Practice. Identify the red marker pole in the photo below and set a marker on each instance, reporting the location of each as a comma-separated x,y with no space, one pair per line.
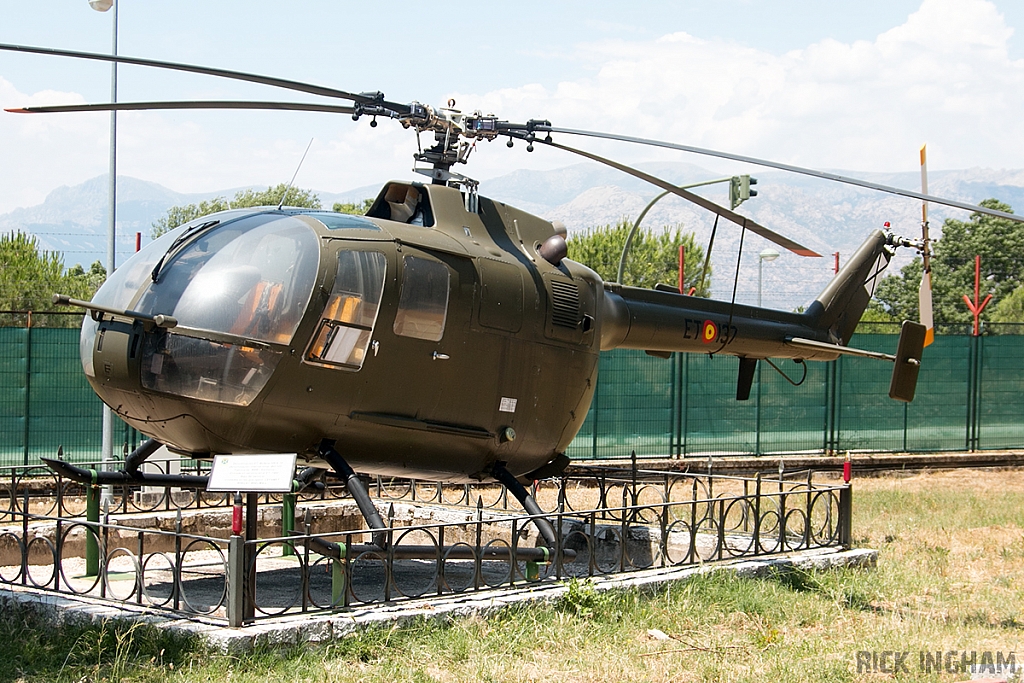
236,516
682,266
974,307
138,241
846,505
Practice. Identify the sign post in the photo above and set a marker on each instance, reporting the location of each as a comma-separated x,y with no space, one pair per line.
252,474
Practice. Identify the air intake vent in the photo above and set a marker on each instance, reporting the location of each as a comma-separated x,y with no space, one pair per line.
565,308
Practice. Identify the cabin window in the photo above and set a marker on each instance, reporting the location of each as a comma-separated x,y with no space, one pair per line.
347,322
403,203
423,306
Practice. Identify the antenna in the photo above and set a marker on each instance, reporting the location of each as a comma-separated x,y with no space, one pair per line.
294,175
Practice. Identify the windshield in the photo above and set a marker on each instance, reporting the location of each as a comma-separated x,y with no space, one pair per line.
251,277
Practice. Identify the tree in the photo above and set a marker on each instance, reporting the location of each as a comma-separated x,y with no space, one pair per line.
1011,308
653,258
356,208
30,276
876,321
999,242
307,199
179,215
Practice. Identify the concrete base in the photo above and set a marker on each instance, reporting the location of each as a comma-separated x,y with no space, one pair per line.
325,626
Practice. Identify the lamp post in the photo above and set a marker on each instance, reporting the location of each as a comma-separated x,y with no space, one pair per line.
636,226
108,415
768,254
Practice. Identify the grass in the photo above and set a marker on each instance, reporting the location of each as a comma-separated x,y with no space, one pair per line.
950,577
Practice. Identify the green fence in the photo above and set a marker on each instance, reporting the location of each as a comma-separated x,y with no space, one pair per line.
970,397
45,400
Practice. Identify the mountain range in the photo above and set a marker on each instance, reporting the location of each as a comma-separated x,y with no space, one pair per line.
824,216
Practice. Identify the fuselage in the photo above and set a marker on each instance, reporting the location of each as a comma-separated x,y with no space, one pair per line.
424,339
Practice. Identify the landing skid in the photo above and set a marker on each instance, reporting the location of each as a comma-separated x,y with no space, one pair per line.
379,545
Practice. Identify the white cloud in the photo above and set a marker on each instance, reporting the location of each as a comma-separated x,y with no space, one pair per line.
943,77
74,143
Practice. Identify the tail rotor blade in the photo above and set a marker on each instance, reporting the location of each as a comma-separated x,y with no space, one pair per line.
924,292
924,306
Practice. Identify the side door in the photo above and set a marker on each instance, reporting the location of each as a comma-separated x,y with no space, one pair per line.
435,370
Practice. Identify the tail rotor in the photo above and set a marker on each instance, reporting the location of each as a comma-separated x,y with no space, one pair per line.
924,292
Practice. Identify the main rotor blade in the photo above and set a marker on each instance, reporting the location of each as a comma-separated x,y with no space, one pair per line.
359,98
226,104
787,167
736,218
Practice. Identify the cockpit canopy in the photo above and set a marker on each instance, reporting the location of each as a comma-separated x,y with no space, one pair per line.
244,273
248,276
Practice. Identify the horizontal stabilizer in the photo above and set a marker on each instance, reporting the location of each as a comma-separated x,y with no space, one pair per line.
908,361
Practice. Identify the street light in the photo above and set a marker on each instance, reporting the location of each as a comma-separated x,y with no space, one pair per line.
636,226
108,415
768,254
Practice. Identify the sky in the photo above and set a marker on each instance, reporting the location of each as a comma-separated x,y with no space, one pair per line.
856,85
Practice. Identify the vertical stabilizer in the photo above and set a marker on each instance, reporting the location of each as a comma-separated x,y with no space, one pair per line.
839,307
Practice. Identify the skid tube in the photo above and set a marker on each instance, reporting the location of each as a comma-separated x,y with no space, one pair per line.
338,551
132,475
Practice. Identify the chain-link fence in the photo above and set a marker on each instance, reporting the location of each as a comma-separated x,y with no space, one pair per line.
970,397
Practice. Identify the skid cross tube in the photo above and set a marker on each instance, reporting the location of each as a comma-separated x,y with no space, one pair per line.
357,490
108,478
547,532
134,459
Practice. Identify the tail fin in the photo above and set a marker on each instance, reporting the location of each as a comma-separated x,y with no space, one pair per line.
838,309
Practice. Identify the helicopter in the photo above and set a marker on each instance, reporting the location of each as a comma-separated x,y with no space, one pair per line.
443,336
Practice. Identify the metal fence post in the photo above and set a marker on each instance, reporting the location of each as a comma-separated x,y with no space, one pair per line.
28,387
757,513
757,413
249,567
24,541
338,588
288,522
673,438
846,505
846,516
92,544
685,388
595,410
236,580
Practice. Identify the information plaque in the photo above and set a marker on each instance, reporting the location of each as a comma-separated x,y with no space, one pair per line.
252,473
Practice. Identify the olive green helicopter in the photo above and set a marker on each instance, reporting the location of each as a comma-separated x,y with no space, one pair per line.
443,335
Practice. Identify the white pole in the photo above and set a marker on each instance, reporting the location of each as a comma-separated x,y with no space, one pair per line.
768,254
760,270
107,443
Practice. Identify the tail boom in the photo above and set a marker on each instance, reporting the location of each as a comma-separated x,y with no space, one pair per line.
660,321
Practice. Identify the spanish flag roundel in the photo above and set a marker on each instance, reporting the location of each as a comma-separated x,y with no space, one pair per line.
709,332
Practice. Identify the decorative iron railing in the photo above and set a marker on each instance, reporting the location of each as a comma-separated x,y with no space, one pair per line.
441,540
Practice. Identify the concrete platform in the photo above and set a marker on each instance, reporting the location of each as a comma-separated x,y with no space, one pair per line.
318,627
